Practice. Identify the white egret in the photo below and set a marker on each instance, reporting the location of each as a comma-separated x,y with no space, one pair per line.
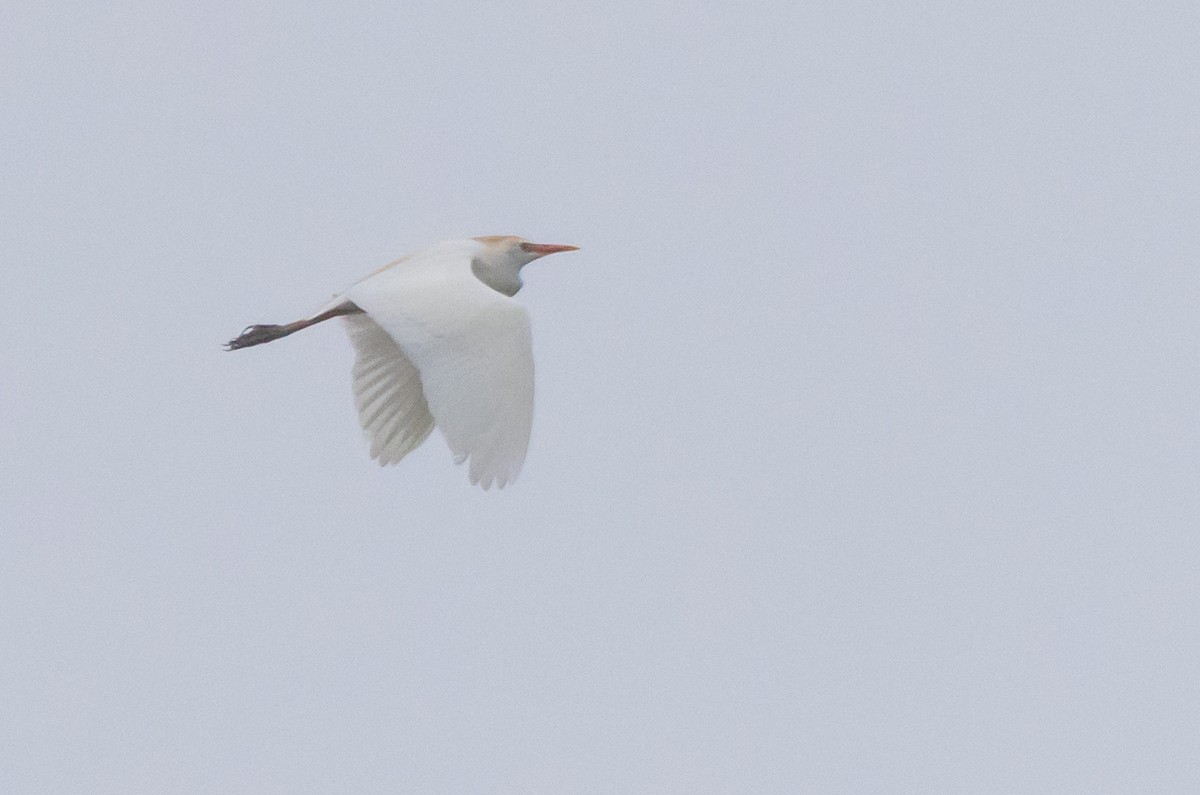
440,341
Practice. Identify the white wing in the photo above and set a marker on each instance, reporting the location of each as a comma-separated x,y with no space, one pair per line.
387,392
479,385
471,347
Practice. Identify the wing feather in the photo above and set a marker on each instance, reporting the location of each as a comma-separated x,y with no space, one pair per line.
480,389
387,392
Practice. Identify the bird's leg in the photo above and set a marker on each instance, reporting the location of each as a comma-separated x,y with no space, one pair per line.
257,335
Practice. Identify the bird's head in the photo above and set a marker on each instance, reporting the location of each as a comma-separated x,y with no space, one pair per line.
499,263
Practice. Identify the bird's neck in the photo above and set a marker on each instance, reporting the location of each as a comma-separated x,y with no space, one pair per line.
503,277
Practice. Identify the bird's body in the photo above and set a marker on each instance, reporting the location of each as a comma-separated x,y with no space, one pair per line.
440,341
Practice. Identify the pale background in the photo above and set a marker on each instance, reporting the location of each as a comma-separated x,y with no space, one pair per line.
865,456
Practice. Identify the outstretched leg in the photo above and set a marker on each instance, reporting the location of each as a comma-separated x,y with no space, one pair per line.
257,335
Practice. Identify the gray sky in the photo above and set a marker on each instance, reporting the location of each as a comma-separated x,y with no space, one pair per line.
865,455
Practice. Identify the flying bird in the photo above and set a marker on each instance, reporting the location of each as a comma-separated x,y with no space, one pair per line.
439,340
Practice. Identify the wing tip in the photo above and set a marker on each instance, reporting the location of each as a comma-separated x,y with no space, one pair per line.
499,476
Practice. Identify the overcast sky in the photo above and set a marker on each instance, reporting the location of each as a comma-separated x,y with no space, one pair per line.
865,455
